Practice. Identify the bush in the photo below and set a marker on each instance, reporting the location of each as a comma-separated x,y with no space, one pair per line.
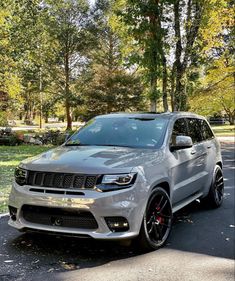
3,119
11,140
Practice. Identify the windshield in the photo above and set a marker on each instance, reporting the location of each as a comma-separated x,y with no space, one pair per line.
121,131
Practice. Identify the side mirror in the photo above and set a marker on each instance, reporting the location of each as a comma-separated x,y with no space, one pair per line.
182,142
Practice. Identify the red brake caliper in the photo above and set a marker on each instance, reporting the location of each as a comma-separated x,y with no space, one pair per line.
158,218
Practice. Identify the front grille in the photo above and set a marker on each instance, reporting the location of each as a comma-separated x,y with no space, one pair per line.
61,180
59,217
90,182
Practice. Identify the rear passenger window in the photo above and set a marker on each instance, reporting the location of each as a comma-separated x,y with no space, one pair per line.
194,128
179,129
206,131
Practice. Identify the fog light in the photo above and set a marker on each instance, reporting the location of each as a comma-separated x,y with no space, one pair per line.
117,224
13,212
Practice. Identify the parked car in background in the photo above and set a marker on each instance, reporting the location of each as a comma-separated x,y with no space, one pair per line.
217,120
121,176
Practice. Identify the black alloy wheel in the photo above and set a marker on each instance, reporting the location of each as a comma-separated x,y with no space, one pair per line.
215,196
219,187
157,221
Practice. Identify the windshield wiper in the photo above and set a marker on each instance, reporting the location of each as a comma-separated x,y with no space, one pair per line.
77,144
143,118
83,144
118,145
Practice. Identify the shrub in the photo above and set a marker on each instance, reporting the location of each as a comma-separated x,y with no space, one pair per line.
3,119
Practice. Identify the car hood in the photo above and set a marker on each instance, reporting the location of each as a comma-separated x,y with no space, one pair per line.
92,159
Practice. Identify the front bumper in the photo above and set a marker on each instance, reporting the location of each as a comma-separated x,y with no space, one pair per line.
129,203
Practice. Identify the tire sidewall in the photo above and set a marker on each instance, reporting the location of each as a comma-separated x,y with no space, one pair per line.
144,224
212,189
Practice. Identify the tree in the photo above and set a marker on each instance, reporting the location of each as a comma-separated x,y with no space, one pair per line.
68,27
111,92
187,22
107,85
216,92
144,23
10,83
30,50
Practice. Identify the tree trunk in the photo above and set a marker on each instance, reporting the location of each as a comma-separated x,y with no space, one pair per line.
153,98
193,20
46,116
68,115
231,119
173,88
164,85
67,94
153,106
178,52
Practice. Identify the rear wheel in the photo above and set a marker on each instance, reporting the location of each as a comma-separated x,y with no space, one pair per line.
157,221
215,196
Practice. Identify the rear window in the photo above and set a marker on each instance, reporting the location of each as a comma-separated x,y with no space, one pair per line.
206,130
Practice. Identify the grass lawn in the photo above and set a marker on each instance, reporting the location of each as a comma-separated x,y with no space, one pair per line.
224,130
10,156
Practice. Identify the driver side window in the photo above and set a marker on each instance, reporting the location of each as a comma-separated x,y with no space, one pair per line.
179,129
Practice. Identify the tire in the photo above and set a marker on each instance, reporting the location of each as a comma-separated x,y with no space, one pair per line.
157,221
214,198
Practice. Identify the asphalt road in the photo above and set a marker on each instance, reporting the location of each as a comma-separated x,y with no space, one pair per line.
201,247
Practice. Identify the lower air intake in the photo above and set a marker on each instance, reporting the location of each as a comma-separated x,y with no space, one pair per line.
59,217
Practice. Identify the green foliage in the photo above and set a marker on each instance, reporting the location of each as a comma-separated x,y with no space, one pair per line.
66,58
3,119
68,26
107,86
216,93
143,24
217,84
10,156
9,77
114,92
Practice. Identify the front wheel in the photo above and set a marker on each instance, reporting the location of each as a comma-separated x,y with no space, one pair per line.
157,221
215,196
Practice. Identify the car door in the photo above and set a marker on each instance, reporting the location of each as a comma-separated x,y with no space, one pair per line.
181,164
210,146
187,163
199,154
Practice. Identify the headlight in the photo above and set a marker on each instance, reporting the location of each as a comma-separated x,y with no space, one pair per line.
20,176
115,182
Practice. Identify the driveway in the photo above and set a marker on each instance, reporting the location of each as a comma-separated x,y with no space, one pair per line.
201,247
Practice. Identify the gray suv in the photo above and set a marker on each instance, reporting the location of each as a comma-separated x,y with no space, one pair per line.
120,176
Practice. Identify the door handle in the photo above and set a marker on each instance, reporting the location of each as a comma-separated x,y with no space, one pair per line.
193,152
209,146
